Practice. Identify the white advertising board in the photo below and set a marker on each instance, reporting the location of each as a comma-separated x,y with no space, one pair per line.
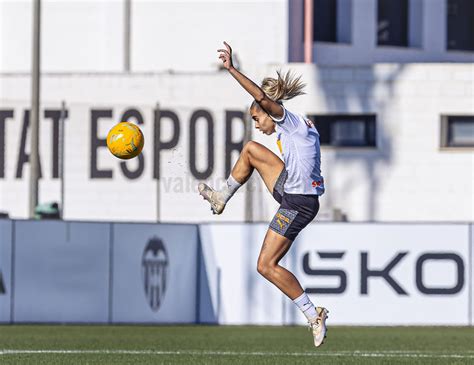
155,273
239,294
365,274
61,272
471,282
387,274
5,269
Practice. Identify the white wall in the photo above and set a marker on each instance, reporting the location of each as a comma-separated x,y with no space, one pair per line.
88,36
197,29
100,199
407,178
76,36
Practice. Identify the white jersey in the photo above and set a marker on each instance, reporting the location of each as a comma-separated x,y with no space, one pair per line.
298,141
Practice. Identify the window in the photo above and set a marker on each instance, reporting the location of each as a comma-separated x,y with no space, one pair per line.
345,130
332,21
460,29
325,20
457,131
392,23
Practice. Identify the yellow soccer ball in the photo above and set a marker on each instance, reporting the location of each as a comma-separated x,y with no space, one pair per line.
125,140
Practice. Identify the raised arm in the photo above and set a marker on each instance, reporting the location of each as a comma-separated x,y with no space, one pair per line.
267,104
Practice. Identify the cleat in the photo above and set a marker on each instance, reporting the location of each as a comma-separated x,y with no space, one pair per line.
318,326
213,197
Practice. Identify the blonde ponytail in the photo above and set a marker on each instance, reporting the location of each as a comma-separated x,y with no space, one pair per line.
283,87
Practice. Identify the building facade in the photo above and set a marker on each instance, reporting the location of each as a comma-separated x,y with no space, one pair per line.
389,88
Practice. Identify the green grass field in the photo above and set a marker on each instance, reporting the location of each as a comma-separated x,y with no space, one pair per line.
41,344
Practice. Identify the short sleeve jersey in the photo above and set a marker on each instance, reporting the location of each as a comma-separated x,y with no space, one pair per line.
298,142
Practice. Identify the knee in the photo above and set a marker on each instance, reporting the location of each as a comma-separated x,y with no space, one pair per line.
251,148
264,268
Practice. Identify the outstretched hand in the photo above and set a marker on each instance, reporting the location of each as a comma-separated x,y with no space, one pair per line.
225,55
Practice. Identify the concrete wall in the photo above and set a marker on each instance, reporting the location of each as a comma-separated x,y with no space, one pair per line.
408,177
165,34
400,179
89,36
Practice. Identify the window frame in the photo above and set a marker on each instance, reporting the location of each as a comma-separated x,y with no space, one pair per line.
324,127
446,132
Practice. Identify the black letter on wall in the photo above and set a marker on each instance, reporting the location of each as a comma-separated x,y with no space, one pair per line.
55,115
162,145
4,115
230,145
96,143
201,175
23,157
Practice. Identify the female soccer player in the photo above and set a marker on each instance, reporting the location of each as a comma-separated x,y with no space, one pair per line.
295,183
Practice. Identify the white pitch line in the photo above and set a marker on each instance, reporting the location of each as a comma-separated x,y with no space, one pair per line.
379,354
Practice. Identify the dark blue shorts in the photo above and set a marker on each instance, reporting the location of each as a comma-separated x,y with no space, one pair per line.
296,210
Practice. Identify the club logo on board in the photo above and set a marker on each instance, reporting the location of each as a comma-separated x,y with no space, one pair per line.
155,272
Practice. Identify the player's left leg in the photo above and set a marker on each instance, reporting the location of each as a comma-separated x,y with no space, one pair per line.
254,156
274,247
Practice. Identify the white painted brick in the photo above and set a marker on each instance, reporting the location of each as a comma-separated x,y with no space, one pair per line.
325,74
406,88
342,74
413,73
429,88
364,74
380,91
439,73
459,105
453,89
388,72
465,74
332,88
406,166
336,74
469,90
361,89
337,105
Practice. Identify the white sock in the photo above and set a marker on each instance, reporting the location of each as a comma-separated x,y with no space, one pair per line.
306,306
231,187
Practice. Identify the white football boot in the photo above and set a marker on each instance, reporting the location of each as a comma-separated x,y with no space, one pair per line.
213,197
318,326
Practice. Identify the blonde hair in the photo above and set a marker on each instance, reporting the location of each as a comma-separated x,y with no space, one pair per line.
284,87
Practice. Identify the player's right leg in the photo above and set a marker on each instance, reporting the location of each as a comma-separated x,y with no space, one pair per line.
254,156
